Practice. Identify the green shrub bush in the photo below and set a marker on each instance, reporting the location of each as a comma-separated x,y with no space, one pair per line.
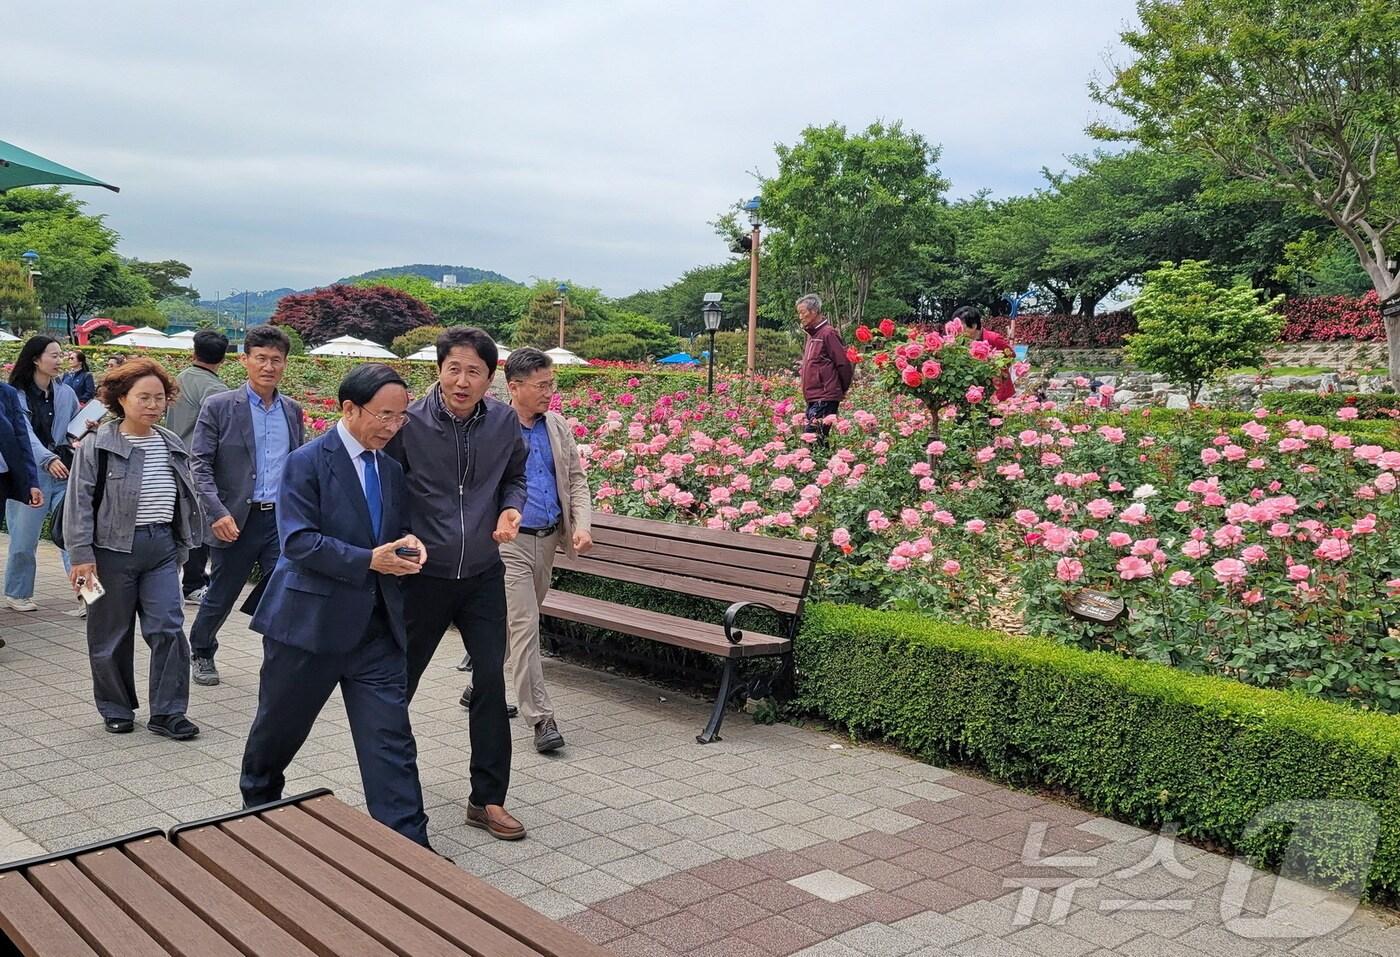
1141,742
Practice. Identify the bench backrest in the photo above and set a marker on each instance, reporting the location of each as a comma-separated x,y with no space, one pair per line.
703,562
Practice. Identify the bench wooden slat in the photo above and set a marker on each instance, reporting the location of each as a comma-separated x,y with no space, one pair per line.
701,569
342,893
104,925
712,536
32,925
174,926
798,567
296,911
489,903
216,903
718,591
668,629
397,886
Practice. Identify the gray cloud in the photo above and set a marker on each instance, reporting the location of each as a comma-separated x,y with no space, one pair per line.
272,144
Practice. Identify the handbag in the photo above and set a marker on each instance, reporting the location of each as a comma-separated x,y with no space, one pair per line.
98,490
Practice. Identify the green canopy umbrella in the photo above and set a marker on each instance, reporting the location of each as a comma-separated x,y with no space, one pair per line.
22,168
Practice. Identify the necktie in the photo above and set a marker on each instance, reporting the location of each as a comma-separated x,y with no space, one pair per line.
372,495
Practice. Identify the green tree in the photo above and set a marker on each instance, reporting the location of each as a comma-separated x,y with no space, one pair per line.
415,339
618,346
493,306
1190,326
847,211
81,271
774,351
1302,96
138,316
179,311
539,326
19,307
164,277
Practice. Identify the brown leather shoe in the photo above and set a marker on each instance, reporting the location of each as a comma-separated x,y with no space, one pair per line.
496,821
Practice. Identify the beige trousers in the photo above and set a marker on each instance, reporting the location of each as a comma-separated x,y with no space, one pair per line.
529,562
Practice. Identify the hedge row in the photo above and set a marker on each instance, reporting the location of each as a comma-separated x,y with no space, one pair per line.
1325,318
1136,740
1370,405
1105,330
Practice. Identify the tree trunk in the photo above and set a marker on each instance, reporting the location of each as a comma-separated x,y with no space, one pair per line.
1087,305
1392,342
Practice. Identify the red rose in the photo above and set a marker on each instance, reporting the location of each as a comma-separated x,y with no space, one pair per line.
881,358
886,328
863,333
911,377
852,354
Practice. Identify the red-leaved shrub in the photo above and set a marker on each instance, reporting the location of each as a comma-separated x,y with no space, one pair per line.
1323,318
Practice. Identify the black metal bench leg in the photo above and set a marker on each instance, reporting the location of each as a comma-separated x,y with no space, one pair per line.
726,686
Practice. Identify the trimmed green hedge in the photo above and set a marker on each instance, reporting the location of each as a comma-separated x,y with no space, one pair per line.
1135,740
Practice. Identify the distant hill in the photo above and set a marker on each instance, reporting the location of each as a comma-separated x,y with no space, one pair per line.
261,305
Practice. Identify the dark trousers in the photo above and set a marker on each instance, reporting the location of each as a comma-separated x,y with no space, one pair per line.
477,606
292,689
196,573
233,563
145,581
816,411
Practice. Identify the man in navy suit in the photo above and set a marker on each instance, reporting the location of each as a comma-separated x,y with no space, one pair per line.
239,447
333,610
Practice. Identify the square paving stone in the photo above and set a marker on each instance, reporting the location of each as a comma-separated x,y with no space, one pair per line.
830,885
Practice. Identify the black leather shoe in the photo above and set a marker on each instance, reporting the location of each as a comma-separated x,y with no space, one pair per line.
118,725
547,736
174,726
466,702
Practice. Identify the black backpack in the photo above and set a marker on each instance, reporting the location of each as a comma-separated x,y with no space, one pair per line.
99,488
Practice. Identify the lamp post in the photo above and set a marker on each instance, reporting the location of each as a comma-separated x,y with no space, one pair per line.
31,265
712,314
563,289
752,208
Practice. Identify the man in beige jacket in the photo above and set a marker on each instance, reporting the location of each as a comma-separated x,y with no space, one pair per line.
558,507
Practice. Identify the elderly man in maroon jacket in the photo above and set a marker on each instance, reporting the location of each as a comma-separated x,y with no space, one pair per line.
826,369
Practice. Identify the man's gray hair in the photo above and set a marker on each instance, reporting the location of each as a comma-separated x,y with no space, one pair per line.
811,301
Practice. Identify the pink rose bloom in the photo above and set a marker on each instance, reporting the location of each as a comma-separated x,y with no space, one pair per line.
975,393
1209,456
1059,539
1116,486
1130,567
841,538
980,350
1341,442
1025,517
1111,434
1299,573
897,563
1332,549
1291,444
783,484
1393,587
1089,534
1252,597
931,369
936,448
1144,546
1256,464
1100,508
1233,453
1081,382
975,526
1364,526
1254,554
876,520
1068,570
1346,413
1368,453
1134,514
1229,571
1056,503
1119,539
1195,549
1227,535
1365,492
1385,482
1280,530
1106,391
1182,506
1182,578
951,567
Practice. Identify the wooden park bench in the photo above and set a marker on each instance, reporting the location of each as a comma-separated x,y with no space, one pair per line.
750,571
301,877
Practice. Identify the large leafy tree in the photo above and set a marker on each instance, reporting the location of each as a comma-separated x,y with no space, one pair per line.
81,271
377,313
846,211
493,306
164,277
1302,96
677,306
19,307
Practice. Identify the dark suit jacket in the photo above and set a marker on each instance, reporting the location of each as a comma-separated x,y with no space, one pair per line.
322,593
222,455
14,445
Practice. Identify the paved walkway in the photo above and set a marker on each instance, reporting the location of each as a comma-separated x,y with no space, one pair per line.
776,841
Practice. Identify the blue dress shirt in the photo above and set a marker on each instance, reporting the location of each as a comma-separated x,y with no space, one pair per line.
542,491
271,443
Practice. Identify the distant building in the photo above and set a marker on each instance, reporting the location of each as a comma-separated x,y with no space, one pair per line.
449,281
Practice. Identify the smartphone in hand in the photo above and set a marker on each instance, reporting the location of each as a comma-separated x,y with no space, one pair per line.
411,554
90,591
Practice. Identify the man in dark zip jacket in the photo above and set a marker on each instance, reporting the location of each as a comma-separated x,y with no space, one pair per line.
464,463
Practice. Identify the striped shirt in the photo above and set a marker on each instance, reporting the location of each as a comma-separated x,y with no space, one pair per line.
157,506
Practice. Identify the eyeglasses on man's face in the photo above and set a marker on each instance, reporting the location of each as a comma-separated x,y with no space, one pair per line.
393,420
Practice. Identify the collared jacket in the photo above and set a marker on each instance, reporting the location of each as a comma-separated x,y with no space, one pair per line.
65,406
14,445
196,384
826,369
114,525
223,455
461,474
575,497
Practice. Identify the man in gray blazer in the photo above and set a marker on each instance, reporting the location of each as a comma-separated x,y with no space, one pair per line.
241,442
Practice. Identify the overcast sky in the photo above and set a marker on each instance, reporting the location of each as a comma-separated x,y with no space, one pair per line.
291,143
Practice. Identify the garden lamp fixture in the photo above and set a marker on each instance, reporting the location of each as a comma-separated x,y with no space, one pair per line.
562,290
751,207
712,316
31,265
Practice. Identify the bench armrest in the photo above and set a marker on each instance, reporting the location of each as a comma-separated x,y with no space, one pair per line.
732,612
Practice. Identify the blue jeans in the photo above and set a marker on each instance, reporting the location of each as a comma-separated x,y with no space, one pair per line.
25,524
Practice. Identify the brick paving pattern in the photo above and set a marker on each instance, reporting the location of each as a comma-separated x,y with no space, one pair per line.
776,841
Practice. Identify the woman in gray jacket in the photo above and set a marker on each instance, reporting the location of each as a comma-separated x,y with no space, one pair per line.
130,519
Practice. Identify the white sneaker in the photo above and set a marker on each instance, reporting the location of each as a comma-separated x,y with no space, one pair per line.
196,596
79,612
20,604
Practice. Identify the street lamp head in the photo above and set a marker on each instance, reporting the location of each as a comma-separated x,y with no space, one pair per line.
563,288
751,207
30,257
713,315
